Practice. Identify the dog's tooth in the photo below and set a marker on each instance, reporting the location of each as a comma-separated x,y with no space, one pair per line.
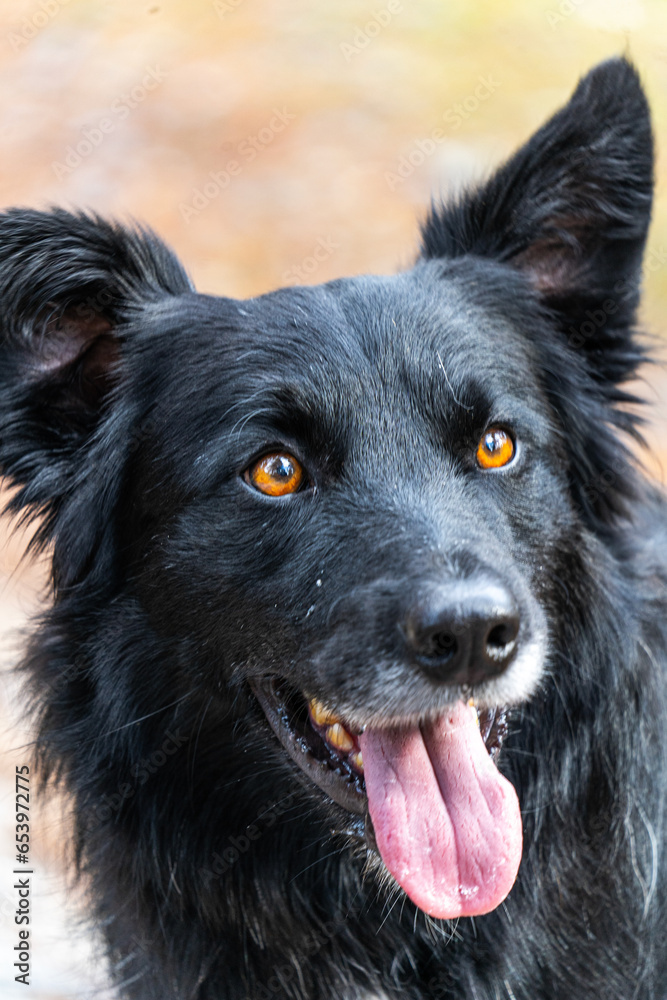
339,737
320,714
471,704
356,760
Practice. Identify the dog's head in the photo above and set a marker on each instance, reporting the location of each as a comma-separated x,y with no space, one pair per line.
356,503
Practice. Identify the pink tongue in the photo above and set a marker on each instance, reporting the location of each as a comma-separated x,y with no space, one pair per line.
447,823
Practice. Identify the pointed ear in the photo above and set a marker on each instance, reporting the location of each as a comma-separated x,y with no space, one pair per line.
570,209
71,285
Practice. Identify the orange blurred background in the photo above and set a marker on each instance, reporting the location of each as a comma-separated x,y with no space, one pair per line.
262,139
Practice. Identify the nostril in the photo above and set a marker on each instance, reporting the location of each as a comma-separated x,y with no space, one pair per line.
499,636
500,640
440,646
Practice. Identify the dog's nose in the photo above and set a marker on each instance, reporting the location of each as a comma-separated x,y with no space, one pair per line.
463,632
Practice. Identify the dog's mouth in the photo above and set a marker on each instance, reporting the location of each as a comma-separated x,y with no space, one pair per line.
327,748
317,740
444,820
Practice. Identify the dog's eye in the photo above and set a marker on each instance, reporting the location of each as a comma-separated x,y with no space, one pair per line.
276,474
495,449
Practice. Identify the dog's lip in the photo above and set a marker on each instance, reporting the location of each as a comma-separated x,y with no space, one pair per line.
337,782
282,703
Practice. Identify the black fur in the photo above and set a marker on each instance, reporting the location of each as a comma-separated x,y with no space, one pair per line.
130,407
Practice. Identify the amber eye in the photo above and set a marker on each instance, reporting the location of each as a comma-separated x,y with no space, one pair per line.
276,474
495,449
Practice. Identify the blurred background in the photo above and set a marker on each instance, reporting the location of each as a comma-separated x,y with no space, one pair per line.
272,142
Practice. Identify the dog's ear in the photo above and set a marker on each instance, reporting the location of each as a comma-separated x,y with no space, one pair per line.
70,285
570,209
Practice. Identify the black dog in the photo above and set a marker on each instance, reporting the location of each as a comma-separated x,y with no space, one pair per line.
360,602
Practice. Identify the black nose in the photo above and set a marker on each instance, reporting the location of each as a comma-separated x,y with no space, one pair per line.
463,632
